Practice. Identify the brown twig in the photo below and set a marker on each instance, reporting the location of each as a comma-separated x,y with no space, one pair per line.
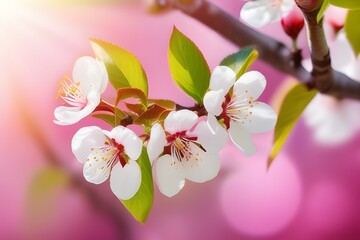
273,52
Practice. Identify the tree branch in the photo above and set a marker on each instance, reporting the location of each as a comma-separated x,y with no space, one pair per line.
273,52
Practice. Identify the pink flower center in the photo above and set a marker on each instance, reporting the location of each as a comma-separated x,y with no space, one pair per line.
120,155
71,93
179,146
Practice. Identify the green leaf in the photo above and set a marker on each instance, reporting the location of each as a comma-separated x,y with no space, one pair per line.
292,107
352,29
168,104
240,62
136,108
350,4
188,66
124,69
151,115
323,8
113,119
126,93
140,205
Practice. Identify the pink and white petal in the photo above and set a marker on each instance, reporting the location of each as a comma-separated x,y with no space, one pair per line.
213,101
71,115
342,54
156,143
170,176
98,164
178,121
250,85
204,165
88,73
105,77
211,141
286,6
241,138
259,13
222,78
130,141
213,123
125,181
262,118
85,140
307,64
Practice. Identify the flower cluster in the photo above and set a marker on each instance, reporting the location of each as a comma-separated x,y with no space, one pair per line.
182,146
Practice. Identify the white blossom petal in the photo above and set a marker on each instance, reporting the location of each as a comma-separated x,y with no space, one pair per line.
125,181
130,141
213,101
84,140
156,142
222,78
241,138
343,58
250,85
98,164
178,121
170,176
212,141
70,115
262,118
89,73
204,165
259,13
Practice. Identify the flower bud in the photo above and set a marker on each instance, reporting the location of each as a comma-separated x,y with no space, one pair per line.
293,23
335,16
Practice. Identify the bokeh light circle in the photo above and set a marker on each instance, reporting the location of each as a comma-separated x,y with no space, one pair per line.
328,206
257,202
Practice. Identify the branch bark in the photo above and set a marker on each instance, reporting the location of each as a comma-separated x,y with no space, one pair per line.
273,52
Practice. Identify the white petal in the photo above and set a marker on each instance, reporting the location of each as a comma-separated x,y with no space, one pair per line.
105,77
178,121
89,73
343,58
222,78
262,118
204,167
97,167
259,13
84,140
71,115
287,6
130,141
213,101
211,141
241,138
250,85
125,181
170,176
156,143
307,64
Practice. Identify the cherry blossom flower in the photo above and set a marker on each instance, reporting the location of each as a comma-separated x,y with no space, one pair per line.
83,92
239,111
113,154
336,121
184,151
258,13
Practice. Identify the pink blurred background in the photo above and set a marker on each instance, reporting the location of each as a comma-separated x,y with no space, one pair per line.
311,191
